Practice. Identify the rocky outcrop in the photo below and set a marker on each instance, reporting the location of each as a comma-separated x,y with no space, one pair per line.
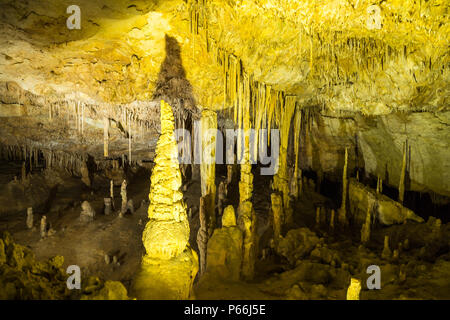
386,210
225,249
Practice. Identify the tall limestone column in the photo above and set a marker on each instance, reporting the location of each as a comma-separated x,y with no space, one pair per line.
246,215
208,164
170,265
281,180
342,217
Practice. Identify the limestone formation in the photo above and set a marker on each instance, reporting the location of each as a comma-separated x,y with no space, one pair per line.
202,237
365,231
87,212
123,194
332,216
230,170
169,266
395,255
85,175
24,172
387,253
208,163
318,217
386,210
105,137
277,216
30,218
342,217
130,206
246,223
406,244
107,203
293,183
354,289
224,256
43,228
222,197
111,191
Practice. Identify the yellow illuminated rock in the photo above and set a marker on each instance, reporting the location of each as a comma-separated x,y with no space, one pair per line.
247,223
354,289
342,217
208,164
224,257
281,179
277,216
169,267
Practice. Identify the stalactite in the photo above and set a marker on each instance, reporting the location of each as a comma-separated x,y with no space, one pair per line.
401,187
297,131
281,179
207,166
342,210
106,137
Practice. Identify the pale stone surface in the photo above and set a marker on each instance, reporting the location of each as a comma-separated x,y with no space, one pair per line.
277,216
246,223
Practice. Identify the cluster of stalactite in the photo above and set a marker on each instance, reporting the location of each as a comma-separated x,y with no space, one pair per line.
33,157
79,114
336,58
254,104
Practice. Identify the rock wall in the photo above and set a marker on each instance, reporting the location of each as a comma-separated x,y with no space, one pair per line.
376,144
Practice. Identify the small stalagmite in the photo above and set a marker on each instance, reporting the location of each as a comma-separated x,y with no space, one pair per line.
30,218
208,164
246,222
105,137
24,172
43,228
317,217
87,212
85,175
342,217
123,194
107,202
401,187
169,266
222,197
111,191
230,171
387,253
354,289
332,216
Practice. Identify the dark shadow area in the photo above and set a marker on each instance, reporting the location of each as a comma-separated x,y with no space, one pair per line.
172,85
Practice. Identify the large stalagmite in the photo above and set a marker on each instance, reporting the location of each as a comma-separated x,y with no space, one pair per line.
170,265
